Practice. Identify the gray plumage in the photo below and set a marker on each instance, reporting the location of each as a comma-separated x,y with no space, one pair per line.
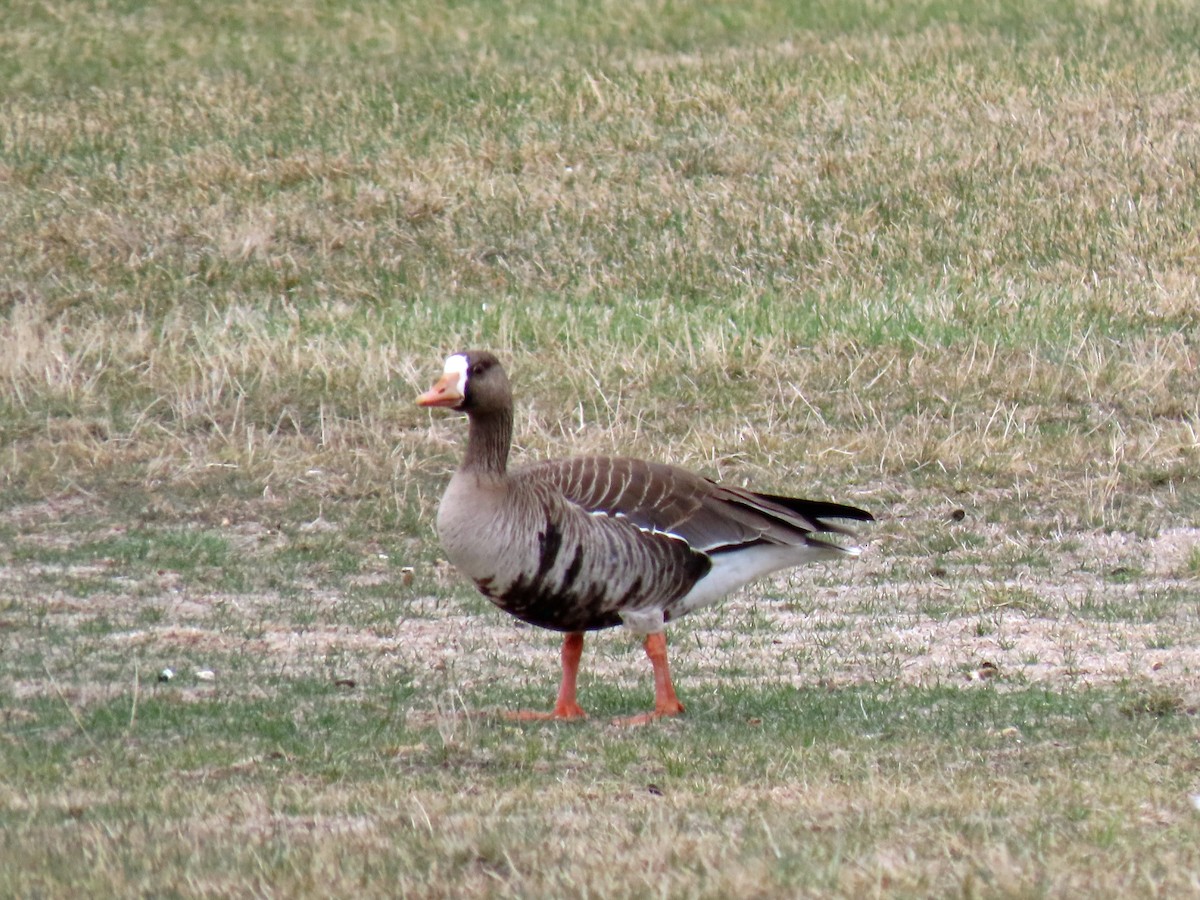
591,542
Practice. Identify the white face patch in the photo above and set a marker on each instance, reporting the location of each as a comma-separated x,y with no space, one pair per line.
457,365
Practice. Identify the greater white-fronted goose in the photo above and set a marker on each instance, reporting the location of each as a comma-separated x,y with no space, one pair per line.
591,542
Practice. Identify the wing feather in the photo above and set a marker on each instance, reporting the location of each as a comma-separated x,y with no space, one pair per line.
710,517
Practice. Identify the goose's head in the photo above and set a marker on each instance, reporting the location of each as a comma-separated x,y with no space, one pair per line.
472,382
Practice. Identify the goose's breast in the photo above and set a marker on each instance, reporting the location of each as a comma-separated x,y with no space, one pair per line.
563,569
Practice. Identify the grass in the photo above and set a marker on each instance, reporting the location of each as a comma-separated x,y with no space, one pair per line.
936,259
773,791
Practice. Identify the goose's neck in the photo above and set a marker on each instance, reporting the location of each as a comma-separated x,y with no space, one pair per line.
489,438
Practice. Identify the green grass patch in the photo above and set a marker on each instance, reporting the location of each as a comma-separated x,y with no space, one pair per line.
770,779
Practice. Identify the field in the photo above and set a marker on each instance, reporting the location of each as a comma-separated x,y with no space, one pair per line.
937,259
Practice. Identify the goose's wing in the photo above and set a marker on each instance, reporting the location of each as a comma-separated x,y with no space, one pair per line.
711,518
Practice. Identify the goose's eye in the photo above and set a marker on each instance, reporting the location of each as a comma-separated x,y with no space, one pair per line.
477,369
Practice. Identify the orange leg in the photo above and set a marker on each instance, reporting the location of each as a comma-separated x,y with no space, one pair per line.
565,707
665,701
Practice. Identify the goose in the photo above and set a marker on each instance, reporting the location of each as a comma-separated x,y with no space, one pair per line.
592,542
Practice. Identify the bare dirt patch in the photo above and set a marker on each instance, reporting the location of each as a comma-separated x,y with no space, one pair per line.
1008,609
